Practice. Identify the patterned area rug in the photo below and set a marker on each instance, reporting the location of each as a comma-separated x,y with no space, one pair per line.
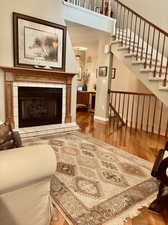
96,183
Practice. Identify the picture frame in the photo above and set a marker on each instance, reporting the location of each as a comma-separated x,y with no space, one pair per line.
113,73
38,43
103,71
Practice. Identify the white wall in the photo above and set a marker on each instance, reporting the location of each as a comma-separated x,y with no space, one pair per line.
89,18
51,10
102,84
155,11
125,80
92,66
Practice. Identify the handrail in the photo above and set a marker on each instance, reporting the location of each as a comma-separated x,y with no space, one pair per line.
143,18
131,93
141,111
102,7
146,41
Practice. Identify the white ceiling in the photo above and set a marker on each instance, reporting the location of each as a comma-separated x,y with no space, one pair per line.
82,35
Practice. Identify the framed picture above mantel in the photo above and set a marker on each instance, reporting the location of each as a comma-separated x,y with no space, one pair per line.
38,43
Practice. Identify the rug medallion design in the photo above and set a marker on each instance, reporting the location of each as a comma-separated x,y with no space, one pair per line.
96,183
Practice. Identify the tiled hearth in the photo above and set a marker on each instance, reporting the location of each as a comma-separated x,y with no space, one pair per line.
22,77
47,129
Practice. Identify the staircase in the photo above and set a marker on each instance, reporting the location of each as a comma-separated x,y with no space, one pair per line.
143,48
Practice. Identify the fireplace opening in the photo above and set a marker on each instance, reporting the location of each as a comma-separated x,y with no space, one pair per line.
39,106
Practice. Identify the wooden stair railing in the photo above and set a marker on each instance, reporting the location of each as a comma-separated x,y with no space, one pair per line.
116,114
147,41
140,111
102,7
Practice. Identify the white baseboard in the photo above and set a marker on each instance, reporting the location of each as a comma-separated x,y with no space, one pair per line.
101,118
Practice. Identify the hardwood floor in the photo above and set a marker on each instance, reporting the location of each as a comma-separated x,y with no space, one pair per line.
138,143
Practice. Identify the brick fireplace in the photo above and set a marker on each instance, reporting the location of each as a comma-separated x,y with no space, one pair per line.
35,95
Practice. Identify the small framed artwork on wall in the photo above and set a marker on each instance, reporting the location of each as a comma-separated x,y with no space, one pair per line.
113,73
38,43
103,71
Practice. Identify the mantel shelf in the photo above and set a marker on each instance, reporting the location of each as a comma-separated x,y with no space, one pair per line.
34,71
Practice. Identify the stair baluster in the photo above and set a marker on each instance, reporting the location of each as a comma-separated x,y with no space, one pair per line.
152,49
143,107
127,27
128,105
160,120
122,37
163,49
143,39
157,53
139,32
166,74
135,28
146,55
130,37
139,111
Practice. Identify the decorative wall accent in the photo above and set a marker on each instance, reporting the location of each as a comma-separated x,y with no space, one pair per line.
103,71
38,43
113,73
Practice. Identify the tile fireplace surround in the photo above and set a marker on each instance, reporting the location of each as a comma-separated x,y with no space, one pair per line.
23,77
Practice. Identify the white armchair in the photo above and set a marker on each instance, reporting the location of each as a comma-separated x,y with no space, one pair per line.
25,175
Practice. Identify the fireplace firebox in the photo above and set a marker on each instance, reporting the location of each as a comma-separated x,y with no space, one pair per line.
39,106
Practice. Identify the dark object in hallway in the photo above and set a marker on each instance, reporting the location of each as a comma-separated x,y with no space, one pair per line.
160,172
8,138
85,87
82,101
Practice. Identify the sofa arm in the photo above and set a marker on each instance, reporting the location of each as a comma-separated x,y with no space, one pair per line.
22,166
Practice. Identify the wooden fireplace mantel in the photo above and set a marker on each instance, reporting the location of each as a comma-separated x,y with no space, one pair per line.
17,74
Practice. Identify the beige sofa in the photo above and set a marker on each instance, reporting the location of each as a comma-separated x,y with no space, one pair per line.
25,175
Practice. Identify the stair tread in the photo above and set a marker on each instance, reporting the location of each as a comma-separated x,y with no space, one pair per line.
163,88
156,78
116,42
153,68
143,61
143,53
135,53
139,53
146,70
